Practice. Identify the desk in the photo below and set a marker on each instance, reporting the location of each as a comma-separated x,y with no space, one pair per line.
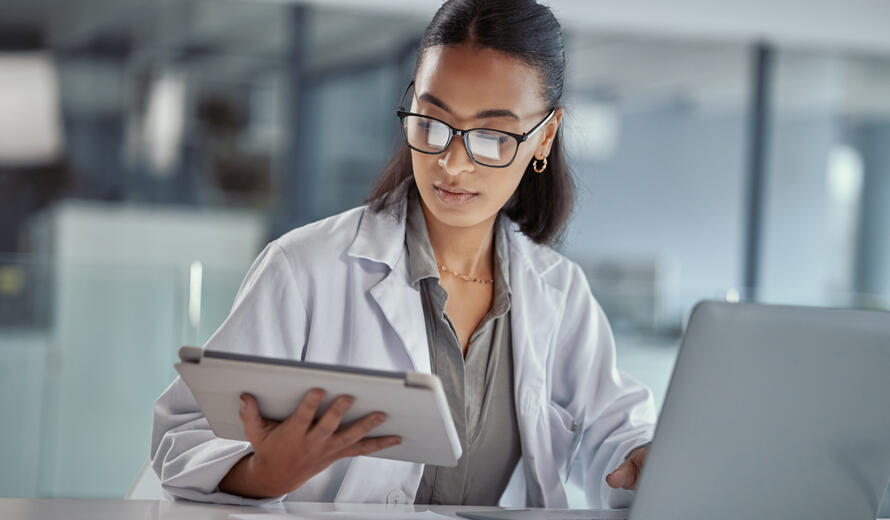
120,509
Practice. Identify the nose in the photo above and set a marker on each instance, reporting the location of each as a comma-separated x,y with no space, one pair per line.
455,159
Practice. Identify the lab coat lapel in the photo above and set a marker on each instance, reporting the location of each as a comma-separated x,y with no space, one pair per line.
402,307
381,238
533,318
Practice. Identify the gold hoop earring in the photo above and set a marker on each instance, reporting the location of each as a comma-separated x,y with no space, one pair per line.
535,165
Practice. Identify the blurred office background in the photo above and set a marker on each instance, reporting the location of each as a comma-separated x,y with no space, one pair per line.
149,149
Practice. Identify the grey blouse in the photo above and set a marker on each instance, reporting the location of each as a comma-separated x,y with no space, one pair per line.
479,388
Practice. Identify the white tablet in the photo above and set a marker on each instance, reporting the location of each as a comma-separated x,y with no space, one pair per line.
414,403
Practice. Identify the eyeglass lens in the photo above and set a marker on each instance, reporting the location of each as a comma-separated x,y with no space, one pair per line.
488,147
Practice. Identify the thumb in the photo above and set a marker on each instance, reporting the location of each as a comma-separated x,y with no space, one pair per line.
622,477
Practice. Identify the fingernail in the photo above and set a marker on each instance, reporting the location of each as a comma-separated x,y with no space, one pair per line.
379,418
243,402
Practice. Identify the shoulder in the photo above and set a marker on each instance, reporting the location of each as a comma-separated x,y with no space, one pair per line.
323,239
307,247
562,279
552,267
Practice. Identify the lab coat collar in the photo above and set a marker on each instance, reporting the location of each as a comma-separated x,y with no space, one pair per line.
380,236
368,242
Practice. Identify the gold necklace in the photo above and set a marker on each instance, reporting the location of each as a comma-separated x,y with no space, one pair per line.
463,276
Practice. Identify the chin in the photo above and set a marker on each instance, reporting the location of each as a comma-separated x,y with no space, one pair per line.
461,216
459,221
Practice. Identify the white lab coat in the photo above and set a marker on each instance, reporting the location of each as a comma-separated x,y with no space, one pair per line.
337,291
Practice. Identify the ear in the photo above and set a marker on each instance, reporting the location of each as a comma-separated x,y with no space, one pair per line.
549,133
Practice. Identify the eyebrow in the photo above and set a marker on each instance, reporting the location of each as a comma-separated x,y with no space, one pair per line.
482,114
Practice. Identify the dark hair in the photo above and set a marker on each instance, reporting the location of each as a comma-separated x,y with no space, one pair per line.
528,31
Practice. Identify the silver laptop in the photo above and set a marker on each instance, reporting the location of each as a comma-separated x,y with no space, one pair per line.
773,412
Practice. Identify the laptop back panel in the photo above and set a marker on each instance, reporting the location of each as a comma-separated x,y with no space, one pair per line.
773,412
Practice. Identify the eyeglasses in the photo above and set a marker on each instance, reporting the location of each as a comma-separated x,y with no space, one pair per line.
485,146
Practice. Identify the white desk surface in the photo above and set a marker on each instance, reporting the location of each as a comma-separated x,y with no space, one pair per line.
120,509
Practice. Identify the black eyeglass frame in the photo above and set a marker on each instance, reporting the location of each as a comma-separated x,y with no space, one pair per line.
520,138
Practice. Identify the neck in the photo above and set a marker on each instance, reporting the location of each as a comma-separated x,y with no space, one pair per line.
466,250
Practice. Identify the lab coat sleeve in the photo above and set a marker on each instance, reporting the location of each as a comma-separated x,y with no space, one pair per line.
268,318
613,412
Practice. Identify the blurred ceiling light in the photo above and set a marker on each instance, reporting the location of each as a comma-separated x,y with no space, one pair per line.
163,124
30,121
594,135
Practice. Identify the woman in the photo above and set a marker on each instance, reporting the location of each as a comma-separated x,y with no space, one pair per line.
447,270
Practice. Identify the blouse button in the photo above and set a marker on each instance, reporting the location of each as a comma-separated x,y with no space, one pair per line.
396,496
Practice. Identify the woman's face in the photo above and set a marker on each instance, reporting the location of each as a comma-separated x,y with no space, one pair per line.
455,84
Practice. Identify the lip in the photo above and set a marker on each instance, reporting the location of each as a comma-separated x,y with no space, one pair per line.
453,189
453,199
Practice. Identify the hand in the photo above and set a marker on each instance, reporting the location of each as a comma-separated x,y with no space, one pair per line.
288,453
628,472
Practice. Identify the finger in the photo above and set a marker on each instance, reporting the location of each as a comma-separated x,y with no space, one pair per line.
330,421
254,428
357,430
368,446
300,420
